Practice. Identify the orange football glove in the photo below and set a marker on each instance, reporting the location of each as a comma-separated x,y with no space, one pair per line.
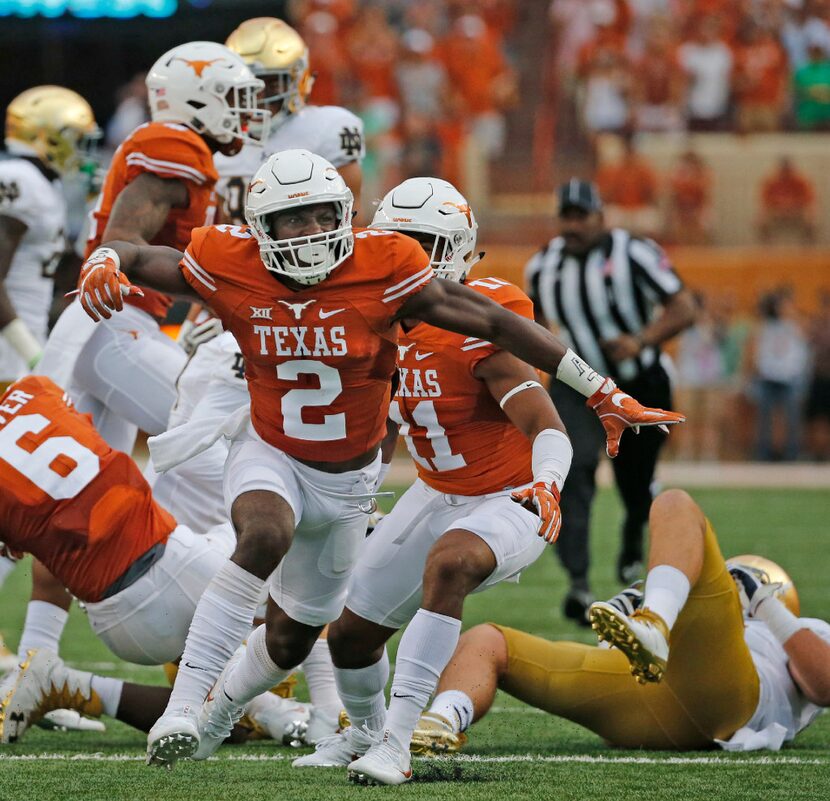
544,500
102,286
618,411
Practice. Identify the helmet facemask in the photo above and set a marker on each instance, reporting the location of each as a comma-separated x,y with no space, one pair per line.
285,90
308,260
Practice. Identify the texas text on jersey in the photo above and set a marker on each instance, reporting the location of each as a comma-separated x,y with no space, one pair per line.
77,505
319,360
167,150
460,439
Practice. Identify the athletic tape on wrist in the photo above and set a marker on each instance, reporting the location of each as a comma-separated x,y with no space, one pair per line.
18,335
780,621
578,374
551,457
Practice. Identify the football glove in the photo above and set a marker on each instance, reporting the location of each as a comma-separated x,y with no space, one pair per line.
544,500
191,334
617,411
69,720
102,286
753,590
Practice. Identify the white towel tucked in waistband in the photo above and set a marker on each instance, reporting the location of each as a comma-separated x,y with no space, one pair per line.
190,439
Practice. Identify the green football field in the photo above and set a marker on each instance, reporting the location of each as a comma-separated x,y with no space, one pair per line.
516,752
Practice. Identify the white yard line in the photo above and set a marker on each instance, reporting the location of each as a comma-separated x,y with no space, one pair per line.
462,758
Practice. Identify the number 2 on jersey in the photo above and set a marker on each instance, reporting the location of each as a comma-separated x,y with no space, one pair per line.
333,426
41,466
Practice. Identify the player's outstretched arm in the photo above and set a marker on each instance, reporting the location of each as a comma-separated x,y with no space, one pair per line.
105,276
457,308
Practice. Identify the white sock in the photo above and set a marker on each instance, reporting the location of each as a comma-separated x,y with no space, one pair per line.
223,617
361,690
255,673
109,690
426,647
43,627
667,589
319,676
456,707
6,567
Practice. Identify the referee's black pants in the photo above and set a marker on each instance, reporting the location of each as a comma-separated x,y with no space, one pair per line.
633,469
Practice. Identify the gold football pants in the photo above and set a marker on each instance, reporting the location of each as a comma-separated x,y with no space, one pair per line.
710,688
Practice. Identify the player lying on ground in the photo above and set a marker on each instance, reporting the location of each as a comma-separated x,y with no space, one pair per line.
723,658
478,425
86,513
315,308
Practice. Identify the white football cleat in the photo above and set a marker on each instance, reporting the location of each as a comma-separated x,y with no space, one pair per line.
642,636
434,734
8,660
337,750
39,684
384,763
283,719
174,736
320,725
219,713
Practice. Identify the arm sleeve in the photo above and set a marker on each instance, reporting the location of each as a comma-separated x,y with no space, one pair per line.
19,195
651,266
171,153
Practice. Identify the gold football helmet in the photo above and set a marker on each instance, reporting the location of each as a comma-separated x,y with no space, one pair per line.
54,123
771,572
276,53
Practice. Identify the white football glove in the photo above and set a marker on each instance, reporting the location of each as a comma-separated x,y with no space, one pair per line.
752,589
191,334
69,720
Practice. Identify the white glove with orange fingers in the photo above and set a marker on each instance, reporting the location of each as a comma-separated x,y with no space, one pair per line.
102,286
617,411
544,500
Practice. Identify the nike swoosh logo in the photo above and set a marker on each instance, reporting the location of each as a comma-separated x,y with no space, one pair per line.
398,695
421,356
195,667
617,400
324,314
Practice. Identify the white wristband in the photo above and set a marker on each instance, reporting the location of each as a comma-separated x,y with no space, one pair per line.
99,254
578,374
780,621
551,457
19,336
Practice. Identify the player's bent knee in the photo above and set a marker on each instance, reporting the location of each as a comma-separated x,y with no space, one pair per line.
673,501
453,568
288,648
489,643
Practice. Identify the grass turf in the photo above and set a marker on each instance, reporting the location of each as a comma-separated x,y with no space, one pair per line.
788,526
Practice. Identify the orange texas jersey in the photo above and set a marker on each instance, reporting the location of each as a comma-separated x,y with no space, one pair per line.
66,497
168,151
319,362
460,439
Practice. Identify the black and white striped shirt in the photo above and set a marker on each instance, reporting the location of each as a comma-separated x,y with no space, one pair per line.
610,291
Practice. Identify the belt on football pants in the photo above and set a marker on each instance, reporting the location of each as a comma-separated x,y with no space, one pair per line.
135,571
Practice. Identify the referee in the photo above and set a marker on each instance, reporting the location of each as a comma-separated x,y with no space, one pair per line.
601,288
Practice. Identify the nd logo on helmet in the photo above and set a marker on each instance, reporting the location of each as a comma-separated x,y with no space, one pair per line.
198,66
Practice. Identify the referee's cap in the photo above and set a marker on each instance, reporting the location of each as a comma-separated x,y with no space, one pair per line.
579,194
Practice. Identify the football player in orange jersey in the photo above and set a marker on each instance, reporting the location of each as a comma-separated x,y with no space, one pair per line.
483,433
316,311
86,513
158,188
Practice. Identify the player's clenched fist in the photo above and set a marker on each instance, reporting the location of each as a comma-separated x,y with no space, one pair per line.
102,286
544,500
618,411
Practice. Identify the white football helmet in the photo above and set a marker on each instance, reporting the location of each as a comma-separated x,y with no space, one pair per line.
292,178
210,89
433,206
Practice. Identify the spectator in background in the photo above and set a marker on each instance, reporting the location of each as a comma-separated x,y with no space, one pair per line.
788,204
629,186
373,54
818,396
811,88
485,82
707,60
660,82
759,80
322,34
689,216
132,110
801,28
779,356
